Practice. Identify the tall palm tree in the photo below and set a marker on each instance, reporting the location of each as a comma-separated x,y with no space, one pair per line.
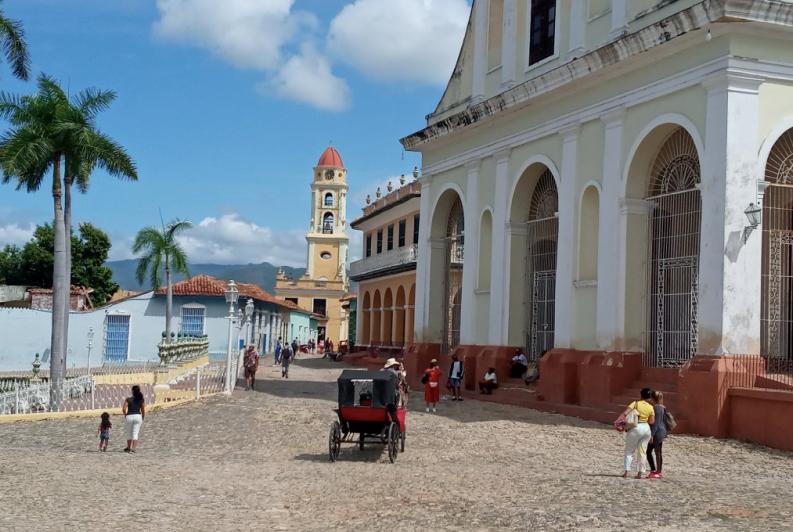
51,132
162,253
14,47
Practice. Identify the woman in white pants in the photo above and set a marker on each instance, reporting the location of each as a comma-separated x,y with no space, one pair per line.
637,438
134,411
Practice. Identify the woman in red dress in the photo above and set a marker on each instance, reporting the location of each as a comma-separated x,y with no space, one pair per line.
432,389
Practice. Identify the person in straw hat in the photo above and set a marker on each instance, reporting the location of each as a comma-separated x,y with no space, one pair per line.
395,367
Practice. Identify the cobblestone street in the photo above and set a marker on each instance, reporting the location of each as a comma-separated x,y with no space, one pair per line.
259,461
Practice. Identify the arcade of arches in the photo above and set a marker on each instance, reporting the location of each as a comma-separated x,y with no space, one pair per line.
387,311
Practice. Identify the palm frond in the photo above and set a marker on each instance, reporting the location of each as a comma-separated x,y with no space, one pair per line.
102,151
156,268
15,50
179,260
176,227
93,101
148,238
142,268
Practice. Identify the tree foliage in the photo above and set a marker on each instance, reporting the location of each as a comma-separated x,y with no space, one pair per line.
31,265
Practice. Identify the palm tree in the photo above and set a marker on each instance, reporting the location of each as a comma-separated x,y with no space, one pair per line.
12,42
162,253
50,132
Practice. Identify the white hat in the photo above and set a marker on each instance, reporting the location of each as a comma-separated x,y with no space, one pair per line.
390,362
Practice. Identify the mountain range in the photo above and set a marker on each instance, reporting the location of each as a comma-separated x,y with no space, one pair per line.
260,274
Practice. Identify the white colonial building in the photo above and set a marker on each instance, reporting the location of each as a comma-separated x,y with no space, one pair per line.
591,178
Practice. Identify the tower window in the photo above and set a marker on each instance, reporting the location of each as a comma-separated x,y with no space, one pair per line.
325,255
328,200
402,230
543,30
390,237
327,223
416,229
320,307
379,241
369,245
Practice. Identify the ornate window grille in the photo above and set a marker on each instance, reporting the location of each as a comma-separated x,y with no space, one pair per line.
540,283
673,236
454,254
192,321
116,337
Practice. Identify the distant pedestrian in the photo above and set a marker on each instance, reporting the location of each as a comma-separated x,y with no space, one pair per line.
489,382
431,381
639,416
251,363
104,431
286,360
295,348
658,432
278,349
456,372
134,410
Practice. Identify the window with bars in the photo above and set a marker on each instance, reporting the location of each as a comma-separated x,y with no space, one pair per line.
543,30
116,337
390,242
192,321
379,241
416,229
369,245
402,229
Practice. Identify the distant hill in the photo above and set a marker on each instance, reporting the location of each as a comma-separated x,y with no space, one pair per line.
260,274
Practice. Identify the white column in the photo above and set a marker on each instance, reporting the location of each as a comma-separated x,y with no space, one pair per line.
729,272
471,257
611,245
566,244
421,320
359,319
481,13
509,44
619,18
500,263
578,16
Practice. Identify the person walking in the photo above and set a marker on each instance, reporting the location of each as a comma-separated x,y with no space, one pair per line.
278,349
658,434
286,360
638,436
104,431
456,372
134,410
295,348
431,381
251,363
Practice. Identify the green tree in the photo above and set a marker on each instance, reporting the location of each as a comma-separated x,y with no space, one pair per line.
89,270
15,49
162,253
50,132
10,265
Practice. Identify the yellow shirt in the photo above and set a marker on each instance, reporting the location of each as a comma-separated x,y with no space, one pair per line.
646,410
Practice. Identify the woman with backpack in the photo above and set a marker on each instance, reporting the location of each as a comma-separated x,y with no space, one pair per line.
639,416
664,422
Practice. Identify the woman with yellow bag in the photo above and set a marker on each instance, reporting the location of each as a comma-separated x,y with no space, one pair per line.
638,417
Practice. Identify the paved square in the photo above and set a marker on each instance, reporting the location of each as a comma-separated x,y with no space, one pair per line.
258,461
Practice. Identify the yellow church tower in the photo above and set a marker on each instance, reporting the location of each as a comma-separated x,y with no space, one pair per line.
325,282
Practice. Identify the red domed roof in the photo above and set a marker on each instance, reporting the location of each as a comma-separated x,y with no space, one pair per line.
331,158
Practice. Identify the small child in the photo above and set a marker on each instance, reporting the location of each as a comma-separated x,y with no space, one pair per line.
104,431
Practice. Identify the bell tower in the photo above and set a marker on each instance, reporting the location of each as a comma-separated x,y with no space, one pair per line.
327,237
321,289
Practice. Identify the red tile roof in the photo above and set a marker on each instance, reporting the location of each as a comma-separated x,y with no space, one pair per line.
331,158
206,285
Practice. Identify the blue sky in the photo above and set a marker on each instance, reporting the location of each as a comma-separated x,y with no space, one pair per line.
226,107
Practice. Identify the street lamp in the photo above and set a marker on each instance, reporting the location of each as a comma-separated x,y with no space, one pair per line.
232,293
90,336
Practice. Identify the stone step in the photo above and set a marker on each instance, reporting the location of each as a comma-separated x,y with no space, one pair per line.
660,375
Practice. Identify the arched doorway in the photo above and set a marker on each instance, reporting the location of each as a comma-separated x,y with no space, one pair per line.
674,214
399,318
388,318
377,309
455,255
776,332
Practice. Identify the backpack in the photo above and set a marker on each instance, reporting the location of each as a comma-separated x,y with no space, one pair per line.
669,420
425,378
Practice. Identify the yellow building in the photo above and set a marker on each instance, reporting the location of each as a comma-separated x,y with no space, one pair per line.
325,281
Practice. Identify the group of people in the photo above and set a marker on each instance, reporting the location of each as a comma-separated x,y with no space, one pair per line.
646,423
134,410
432,378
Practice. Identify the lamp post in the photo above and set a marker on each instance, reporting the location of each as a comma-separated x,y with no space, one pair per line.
232,293
248,320
90,336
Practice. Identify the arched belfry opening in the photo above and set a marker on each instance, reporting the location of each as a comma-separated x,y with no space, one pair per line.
776,334
540,283
674,215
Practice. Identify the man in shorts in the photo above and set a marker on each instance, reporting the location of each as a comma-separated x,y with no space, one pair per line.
456,377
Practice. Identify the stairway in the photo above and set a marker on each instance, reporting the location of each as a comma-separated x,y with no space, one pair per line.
660,379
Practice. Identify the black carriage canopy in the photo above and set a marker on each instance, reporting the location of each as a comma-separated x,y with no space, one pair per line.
367,388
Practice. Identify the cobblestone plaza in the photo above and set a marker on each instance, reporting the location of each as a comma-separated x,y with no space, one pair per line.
258,461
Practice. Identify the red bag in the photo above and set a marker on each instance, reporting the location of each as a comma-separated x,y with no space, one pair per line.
620,423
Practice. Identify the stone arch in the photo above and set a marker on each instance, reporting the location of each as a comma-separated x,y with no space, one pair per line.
377,310
447,241
399,317
532,240
328,221
485,249
388,318
366,322
663,208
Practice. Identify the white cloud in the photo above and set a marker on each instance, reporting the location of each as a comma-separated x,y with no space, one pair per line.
231,239
247,33
307,78
14,234
400,40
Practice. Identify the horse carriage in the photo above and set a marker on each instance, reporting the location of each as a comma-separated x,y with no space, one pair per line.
369,410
